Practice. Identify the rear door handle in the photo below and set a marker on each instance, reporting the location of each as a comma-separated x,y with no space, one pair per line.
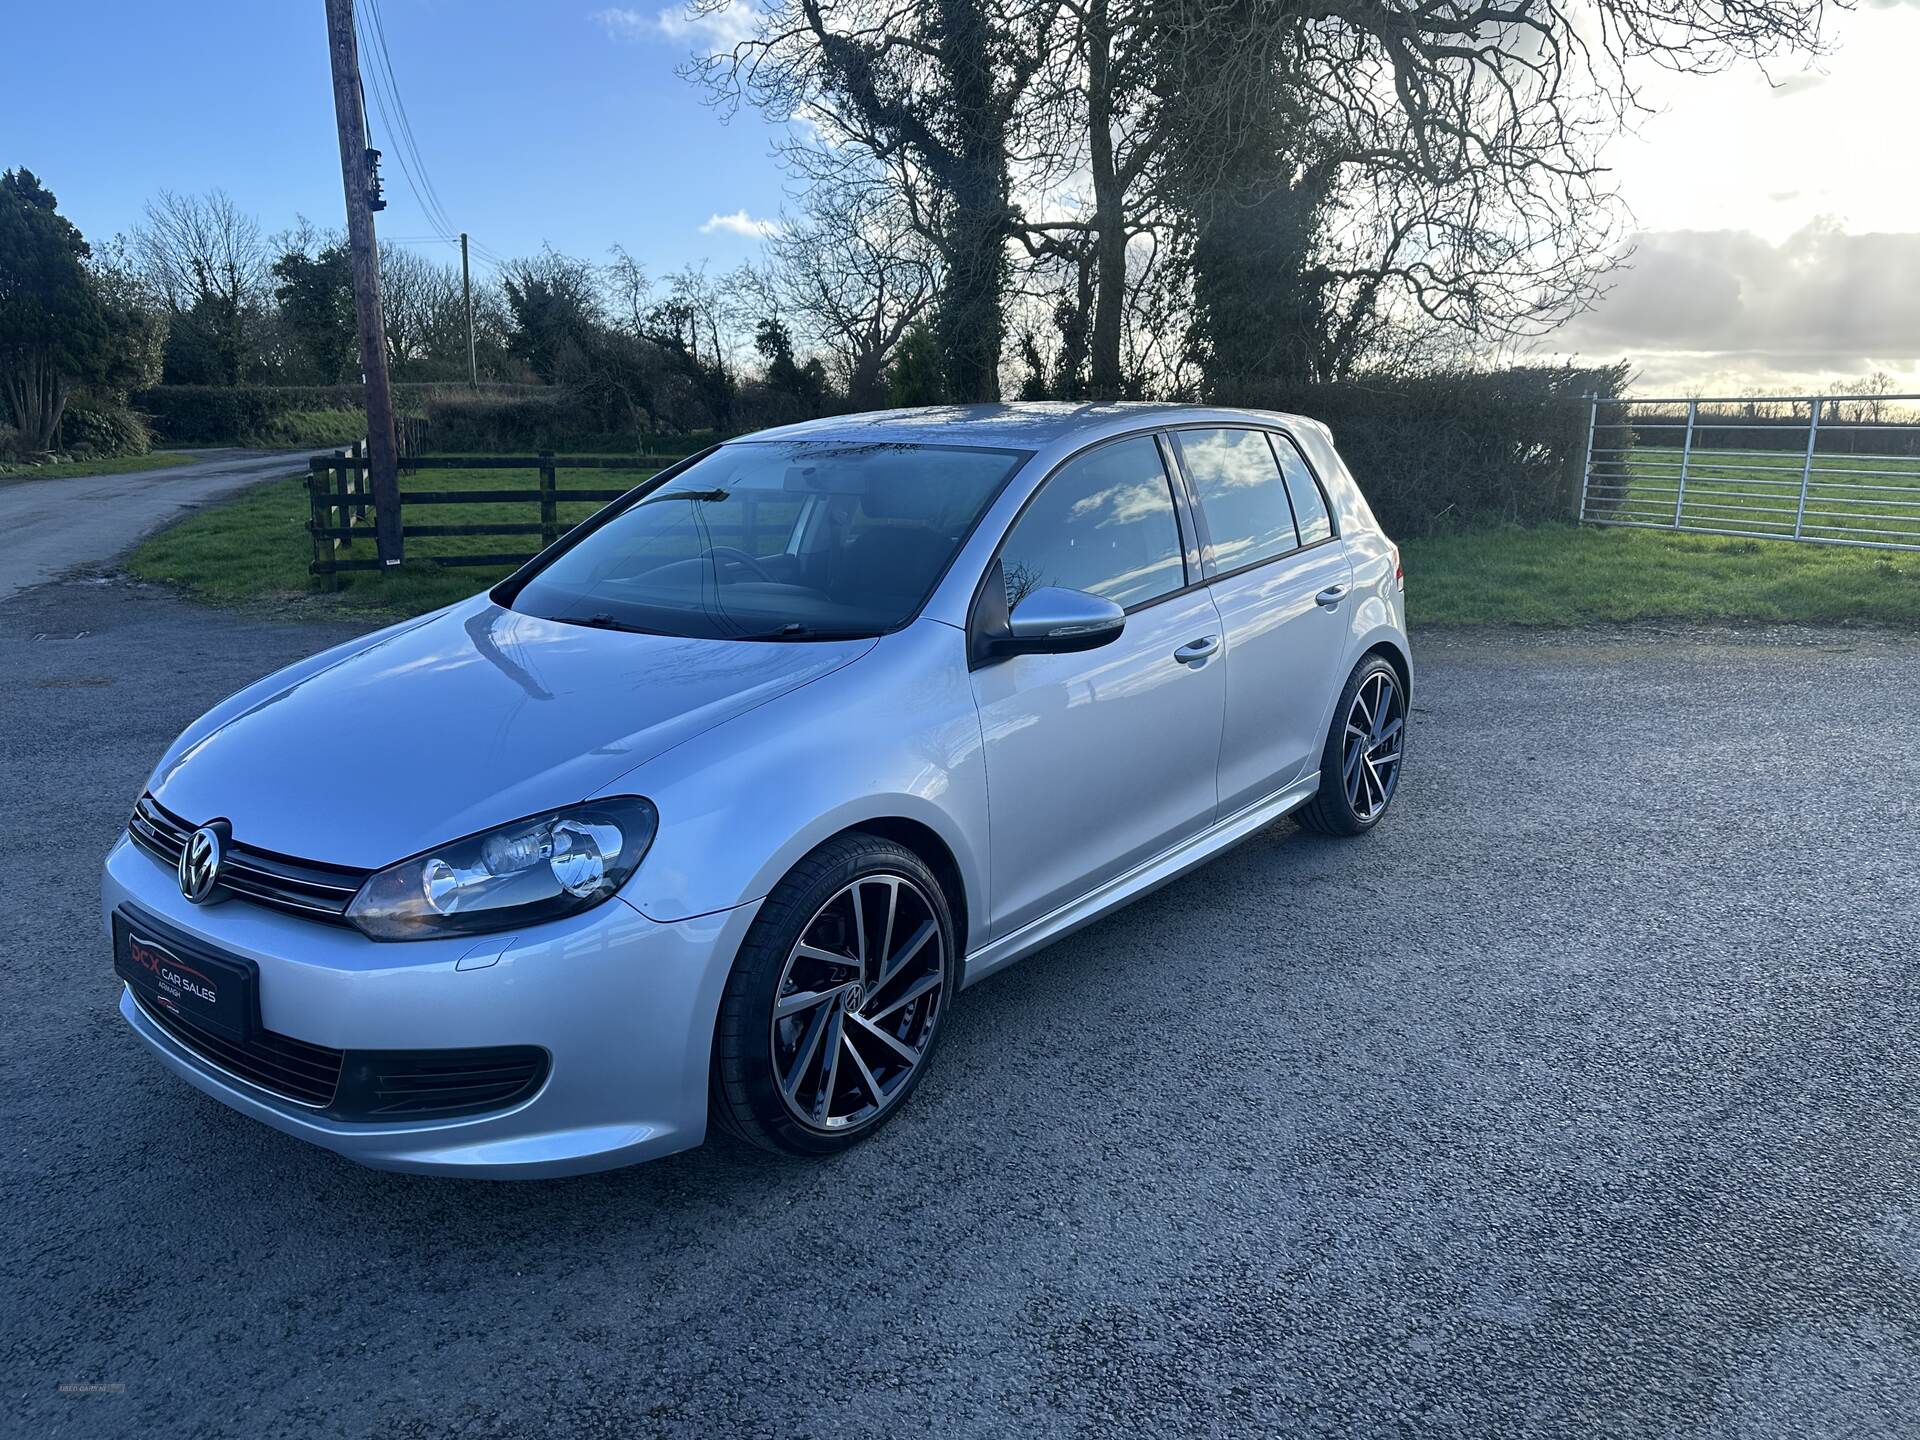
1194,651
1331,596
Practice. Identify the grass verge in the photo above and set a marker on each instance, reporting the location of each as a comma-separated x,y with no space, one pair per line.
256,548
111,465
1574,575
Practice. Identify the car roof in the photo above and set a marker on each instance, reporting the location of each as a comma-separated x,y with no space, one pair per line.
1024,425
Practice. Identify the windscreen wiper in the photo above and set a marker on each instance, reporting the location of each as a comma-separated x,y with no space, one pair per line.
794,630
604,622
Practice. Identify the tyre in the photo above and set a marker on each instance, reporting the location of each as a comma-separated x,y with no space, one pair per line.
1360,766
836,999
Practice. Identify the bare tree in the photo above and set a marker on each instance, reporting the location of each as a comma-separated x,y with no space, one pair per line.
930,92
855,275
209,260
1089,121
697,317
424,311
629,293
1872,407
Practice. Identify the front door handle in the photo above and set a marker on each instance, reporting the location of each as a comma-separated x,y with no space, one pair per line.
1331,596
1195,651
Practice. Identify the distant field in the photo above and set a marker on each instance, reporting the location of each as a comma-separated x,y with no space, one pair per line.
258,548
1860,498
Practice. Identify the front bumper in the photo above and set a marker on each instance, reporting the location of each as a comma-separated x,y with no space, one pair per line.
624,1006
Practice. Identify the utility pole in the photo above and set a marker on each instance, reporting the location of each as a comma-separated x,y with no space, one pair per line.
466,288
356,174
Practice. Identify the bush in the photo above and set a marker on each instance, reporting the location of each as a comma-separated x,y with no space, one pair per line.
96,429
1436,452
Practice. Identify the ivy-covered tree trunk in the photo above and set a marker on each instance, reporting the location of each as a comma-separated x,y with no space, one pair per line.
970,321
1258,312
1109,208
1242,170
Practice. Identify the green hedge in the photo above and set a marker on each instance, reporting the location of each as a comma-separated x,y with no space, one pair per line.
244,414
1435,452
499,419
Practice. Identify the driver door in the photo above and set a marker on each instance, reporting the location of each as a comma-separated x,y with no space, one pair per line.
1099,760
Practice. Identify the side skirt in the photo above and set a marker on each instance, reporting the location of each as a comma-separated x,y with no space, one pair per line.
1143,879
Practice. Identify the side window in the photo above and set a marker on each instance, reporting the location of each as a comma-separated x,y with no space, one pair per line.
1104,523
1241,493
1309,505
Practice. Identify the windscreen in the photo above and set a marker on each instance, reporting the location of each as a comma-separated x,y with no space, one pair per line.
778,540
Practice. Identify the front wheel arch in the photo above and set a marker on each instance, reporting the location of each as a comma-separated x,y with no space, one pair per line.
751,1088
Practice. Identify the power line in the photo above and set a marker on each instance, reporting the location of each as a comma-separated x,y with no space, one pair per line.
406,121
392,108
380,78
387,87
482,256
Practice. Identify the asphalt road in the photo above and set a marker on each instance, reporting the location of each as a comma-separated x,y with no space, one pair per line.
1578,1100
53,526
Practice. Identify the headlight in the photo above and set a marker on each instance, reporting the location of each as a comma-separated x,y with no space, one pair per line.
535,869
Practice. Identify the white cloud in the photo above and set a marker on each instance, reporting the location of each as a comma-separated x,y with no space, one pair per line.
624,24
742,224
709,28
1697,306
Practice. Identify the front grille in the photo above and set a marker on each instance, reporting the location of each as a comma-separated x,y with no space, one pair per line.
292,1069
300,887
367,1085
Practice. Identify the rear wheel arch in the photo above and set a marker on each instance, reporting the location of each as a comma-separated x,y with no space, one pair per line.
1396,657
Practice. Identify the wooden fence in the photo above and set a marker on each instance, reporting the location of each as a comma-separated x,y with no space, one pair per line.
340,505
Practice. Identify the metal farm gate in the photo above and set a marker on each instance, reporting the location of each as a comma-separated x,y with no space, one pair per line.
1826,470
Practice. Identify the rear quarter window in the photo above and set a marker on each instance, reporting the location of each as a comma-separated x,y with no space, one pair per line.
1310,511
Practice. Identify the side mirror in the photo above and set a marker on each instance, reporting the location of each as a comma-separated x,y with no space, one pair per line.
1049,621
1053,621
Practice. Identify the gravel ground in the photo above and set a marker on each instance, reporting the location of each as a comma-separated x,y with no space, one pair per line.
1579,1100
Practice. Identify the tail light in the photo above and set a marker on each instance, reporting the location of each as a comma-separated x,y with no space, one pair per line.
1399,570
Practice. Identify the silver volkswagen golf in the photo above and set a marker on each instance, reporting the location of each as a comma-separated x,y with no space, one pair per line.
707,813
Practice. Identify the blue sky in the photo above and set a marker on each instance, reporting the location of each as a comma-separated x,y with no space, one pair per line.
538,121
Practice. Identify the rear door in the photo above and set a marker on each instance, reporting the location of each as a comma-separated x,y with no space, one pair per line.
1280,578
1100,760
